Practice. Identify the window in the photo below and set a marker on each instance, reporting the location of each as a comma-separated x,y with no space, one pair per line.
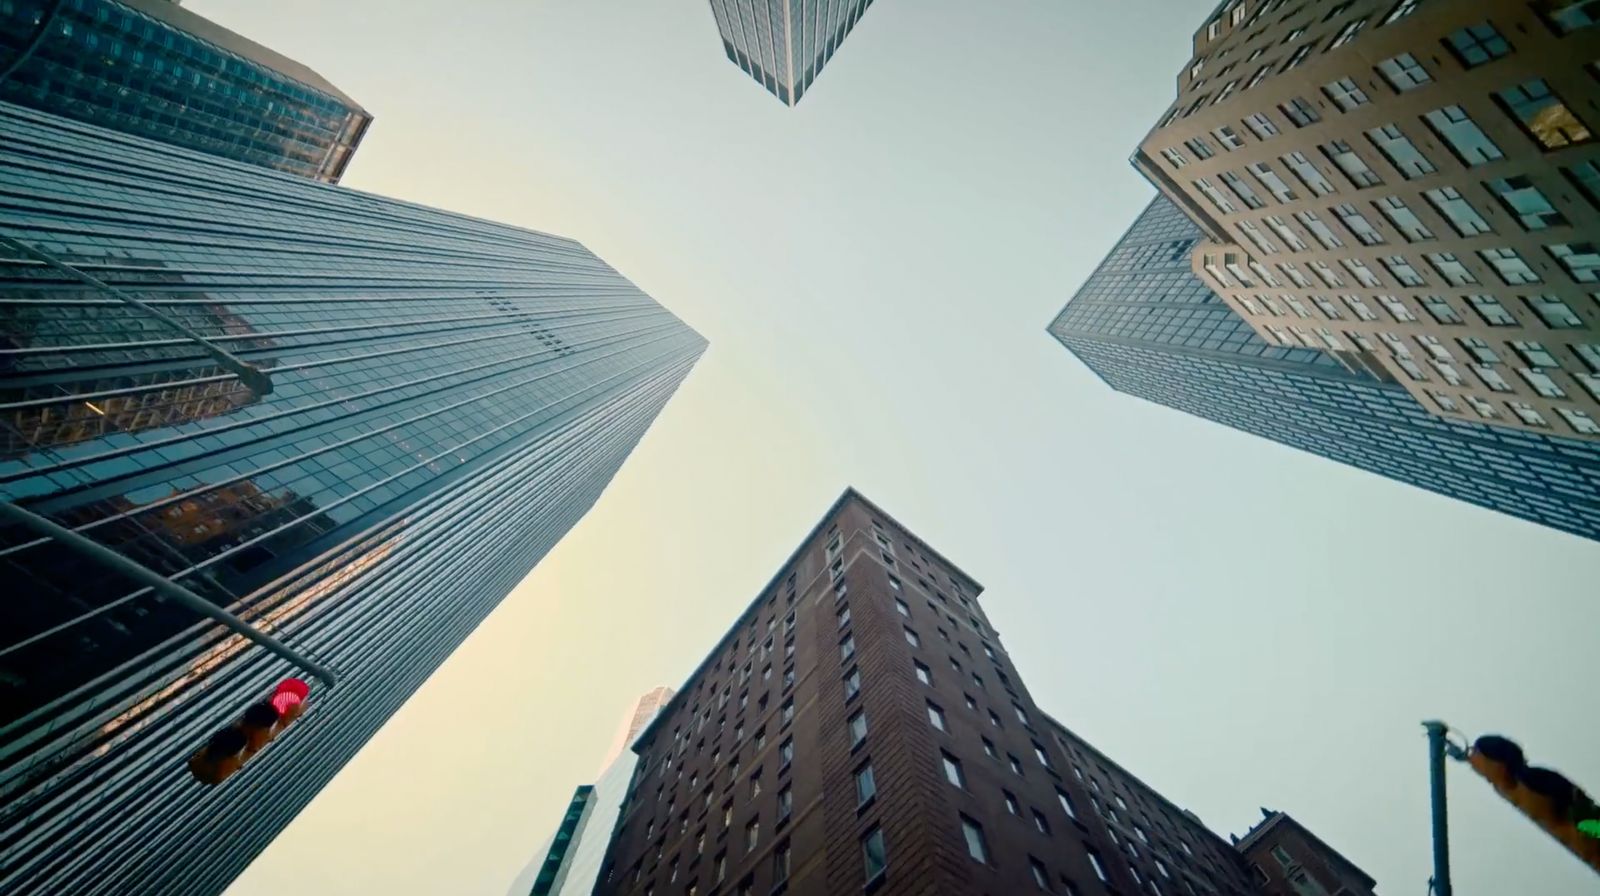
1299,56
1581,261
1012,806
1324,234
1475,45
894,583
1527,414
1307,173
1400,151
752,835
873,854
1403,219
1449,202
1358,225
994,719
1039,751
1201,149
1210,191
866,785
1326,274
972,832
780,863
936,717
1345,94
1534,354
1403,271
1493,313
1532,209
787,713
1040,823
852,684
1439,309
1259,240
1586,176
1015,763
1022,716
785,802
1347,160
858,728
912,639
1541,383
923,674
1510,266
1401,10
1274,184
844,617
1174,157
1098,865
1556,314
1041,878
1347,33
1468,141
1542,114
1299,112
1242,190
1228,137
1579,421
1260,125
1286,233
1403,72
847,648
902,607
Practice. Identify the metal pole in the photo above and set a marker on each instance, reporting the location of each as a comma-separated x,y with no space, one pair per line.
163,585
1441,822
259,381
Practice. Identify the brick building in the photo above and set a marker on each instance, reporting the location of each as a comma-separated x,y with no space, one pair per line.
1411,186
861,728
1289,860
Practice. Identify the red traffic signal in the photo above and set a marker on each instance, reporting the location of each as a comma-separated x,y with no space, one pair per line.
230,748
1547,797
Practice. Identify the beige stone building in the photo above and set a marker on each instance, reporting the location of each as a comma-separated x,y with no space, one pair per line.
1413,186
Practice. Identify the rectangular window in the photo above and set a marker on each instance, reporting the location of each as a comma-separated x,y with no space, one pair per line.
1274,184
1286,233
1542,115
1532,209
1201,149
1241,189
1456,128
1307,173
1347,33
1556,314
1586,177
1299,112
786,715
858,728
1402,270
1324,234
780,863
1475,45
866,785
785,802
752,835
1403,219
1260,125
1012,806
912,638
936,717
977,847
1174,157
1493,313
1455,208
852,684
1580,260
1400,151
1345,94
1346,159
1041,878
1066,803
785,753
847,648
924,675
1039,752
1440,310
1403,72
1098,864
1228,137
873,854
1510,266
952,770
1015,763
1210,191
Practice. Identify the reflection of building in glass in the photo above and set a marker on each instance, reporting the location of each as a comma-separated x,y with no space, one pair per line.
785,45
570,864
1149,327
151,68
449,397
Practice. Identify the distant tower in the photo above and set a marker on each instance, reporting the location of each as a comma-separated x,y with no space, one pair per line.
784,44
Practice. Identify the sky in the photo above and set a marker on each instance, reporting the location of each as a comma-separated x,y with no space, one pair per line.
1238,623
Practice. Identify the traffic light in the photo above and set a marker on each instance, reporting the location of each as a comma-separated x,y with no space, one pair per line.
1547,797
229,749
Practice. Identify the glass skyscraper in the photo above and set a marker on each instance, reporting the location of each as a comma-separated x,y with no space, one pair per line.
1148,327
449,396
152,68
784,44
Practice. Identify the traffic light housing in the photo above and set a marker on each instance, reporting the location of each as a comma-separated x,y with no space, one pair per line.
230,748
1547,797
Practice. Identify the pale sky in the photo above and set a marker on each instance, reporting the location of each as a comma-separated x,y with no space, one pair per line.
1238,623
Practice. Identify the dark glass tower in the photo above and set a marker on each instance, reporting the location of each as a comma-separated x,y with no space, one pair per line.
449,397
152,68
784,44
1149,328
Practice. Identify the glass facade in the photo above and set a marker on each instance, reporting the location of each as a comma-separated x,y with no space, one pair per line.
449,397
152,68
784,44
1148,327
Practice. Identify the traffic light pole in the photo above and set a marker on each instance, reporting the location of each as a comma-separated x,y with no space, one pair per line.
162,585
1441,821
